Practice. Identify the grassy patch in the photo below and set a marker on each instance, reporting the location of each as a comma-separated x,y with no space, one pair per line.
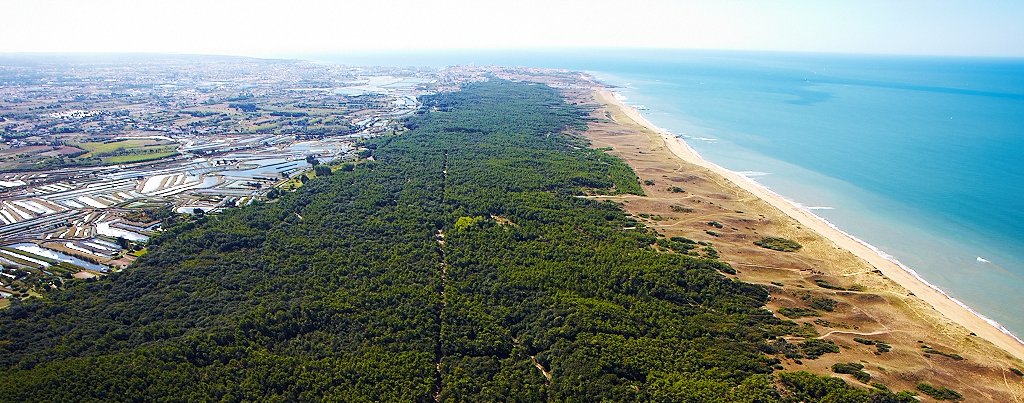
681,209
824,304
929,351
815,348
676,246
852,368
682,239
104,147
795,313
826,323
828,285
940,393
779,244
125,159
465,222
127,151
809,349
880,346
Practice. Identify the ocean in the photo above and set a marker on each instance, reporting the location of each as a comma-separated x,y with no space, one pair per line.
921,157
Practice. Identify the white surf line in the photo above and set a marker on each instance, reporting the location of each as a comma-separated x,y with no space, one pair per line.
881,253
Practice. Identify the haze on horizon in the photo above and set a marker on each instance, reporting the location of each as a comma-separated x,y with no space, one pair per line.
281,28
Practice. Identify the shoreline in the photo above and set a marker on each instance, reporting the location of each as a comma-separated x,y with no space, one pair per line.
947,306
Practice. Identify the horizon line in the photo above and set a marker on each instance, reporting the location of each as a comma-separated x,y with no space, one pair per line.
449,51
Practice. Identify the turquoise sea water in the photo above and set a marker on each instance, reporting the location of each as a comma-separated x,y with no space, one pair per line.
921,157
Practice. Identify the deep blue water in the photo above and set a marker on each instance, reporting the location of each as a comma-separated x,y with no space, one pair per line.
922,157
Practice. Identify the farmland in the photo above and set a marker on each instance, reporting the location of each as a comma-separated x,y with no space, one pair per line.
121,151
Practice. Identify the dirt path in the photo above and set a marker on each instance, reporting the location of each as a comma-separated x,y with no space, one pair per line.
442,272
547,375
533,359
874,333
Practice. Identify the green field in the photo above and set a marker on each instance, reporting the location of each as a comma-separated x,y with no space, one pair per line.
104,147
124,159
129,150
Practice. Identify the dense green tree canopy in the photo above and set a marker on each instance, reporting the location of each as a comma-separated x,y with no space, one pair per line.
459,266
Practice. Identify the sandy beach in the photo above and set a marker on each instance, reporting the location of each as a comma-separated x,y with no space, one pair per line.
939,301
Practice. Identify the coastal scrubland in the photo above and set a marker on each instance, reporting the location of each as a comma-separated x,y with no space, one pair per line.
484,255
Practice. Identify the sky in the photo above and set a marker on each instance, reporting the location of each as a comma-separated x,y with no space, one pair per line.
288,27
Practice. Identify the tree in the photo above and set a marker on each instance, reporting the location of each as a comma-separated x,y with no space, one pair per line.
322,170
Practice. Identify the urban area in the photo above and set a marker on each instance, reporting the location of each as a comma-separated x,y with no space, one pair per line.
98,153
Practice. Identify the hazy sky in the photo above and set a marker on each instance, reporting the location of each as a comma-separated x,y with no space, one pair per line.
266,28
